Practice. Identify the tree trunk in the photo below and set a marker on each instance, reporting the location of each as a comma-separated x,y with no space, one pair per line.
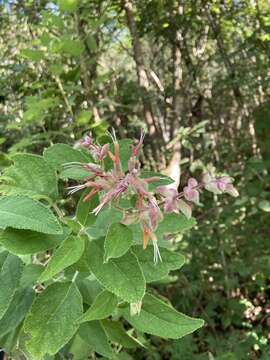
151,121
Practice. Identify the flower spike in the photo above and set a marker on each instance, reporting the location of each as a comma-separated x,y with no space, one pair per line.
115,183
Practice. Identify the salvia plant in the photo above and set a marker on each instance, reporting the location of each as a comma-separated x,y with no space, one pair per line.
75,285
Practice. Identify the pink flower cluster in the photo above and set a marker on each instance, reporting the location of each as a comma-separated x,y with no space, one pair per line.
182,201
113,184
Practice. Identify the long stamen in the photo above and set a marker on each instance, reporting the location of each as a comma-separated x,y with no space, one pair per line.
157,256
74,189
98,208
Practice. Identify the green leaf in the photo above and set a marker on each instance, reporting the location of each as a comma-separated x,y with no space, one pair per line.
122,276
10,341
117,334
72,47
30,275
118,240
153,272
84,209
103,305
68,5
94,335
3,256
80,349
160,319
75,173
34,55
84,117
103,221
67,254
59,154
21,212
38,107
89,288
24,242
17,310
10,275
175,223
31,175
51,322
82,265
164,180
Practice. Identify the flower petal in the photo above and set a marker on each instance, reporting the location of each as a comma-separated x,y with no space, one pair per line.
231,190
191,195
184,208
192,183
212,187
166,191
170,205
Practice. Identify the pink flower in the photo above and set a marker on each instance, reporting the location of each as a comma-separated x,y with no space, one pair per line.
190,191
173,202
231,190
170,194
87,141
219,185
223,182
98,152
155,215
113,184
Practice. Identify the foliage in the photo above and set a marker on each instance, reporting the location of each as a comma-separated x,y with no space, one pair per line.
57,312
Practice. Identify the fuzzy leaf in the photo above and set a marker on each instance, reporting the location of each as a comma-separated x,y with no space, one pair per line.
84,208
89,289
23,242
21,212
102,223
116,333
30,275
122,276
95,336
17,310
67,254
59,154
31,175
160,319
152,272
175,223
103,305
76,173
118,240
51,322
10,275
79,349
164,180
